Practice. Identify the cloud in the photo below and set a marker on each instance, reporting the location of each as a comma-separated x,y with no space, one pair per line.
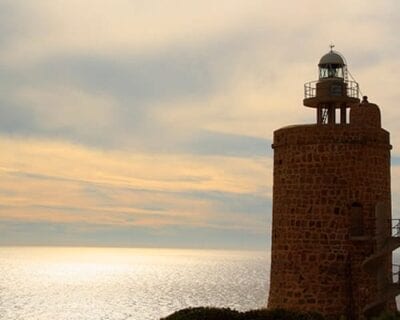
118,93
157,116
92,26
56,182
40,233
236,78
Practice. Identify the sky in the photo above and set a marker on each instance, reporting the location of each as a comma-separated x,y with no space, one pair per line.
148,123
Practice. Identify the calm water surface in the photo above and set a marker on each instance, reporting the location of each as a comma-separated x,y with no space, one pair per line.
111,284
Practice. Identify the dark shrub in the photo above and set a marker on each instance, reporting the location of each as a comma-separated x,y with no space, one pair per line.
279,314
228,314
388,316
204,314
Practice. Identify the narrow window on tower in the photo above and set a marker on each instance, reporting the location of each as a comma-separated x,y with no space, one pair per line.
356,220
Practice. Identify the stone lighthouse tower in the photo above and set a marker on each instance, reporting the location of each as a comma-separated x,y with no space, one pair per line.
332,237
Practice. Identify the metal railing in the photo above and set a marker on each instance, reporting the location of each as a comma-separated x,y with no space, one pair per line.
310,89
352,89
396,273
395,227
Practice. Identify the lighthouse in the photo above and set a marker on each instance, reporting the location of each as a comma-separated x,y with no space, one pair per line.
332,231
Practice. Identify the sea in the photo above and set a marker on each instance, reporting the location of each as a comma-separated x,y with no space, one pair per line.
48,283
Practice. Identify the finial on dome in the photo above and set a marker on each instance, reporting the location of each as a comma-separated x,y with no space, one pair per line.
331,46
365,99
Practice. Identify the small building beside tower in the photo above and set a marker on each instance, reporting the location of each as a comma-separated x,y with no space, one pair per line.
332,234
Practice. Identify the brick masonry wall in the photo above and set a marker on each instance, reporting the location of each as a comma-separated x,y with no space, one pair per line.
319,172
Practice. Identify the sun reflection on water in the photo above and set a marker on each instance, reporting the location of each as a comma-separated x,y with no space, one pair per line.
104,283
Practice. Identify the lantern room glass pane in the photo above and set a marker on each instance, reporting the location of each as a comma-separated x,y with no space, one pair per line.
331,72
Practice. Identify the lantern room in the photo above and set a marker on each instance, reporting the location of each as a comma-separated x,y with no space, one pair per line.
332,65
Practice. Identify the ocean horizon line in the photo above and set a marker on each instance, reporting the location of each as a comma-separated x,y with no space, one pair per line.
252,250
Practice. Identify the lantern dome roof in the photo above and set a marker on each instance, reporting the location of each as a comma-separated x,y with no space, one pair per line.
332,58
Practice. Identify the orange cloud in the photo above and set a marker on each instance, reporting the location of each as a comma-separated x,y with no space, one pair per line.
57,181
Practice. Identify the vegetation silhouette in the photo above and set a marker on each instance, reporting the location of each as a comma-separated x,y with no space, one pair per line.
207,313
388,316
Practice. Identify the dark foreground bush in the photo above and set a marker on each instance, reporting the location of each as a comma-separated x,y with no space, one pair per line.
388,316
204,314
228,314
280,314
